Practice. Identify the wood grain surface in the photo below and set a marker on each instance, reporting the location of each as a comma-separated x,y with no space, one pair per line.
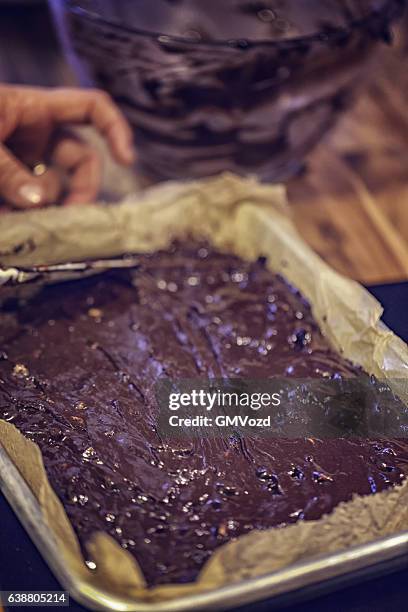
350,204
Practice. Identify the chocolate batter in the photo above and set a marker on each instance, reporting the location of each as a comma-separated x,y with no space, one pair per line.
77,374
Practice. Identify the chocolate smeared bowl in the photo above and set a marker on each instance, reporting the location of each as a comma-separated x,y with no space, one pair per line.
241,85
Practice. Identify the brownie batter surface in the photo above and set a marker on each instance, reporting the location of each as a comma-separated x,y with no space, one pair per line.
78,367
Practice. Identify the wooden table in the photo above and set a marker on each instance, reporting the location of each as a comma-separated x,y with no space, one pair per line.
352,203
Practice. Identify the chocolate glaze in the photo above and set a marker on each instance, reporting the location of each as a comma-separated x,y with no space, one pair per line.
77,373
237,91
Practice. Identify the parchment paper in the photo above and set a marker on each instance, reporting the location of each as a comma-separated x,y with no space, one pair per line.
249,219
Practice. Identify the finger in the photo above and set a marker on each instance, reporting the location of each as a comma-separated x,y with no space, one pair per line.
52,183
30,143
95,107
84,166
20,188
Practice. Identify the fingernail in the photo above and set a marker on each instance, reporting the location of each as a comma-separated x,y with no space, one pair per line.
32,194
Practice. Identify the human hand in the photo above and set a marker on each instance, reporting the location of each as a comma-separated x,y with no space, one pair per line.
33,135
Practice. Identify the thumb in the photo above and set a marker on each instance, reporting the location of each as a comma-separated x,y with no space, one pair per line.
17,184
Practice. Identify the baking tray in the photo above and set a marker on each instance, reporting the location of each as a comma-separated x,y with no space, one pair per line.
379,556
223,199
